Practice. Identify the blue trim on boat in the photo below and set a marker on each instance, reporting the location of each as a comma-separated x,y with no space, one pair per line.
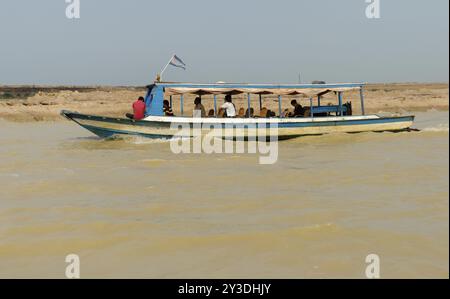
347,122
124,121
154,101
108,133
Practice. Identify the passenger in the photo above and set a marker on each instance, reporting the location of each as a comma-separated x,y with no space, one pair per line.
299,111
241,112
349,111
167,109
211,113
285,113
264,112
221,113
307,112
138,110
251,113
228,107
199,108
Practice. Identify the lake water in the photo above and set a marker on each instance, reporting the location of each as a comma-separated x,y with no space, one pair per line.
132,208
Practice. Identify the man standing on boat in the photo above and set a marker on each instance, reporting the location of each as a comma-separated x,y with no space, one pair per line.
138,109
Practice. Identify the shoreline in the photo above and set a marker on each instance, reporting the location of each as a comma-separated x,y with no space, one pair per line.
22,103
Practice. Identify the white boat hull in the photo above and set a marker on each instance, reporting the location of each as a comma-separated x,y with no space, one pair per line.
166,127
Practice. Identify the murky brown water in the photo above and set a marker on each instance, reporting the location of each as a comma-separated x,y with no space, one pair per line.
131,208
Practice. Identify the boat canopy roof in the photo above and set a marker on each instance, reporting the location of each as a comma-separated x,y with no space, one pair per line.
269,89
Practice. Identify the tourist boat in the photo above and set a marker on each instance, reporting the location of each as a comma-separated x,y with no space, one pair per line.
320,119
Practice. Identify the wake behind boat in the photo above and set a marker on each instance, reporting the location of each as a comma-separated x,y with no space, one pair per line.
316,119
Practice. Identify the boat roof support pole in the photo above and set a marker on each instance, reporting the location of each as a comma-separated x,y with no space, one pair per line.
260,102
311,107
248,105
215,105
279,106
318,100
361,92
340,102
171,102
182,104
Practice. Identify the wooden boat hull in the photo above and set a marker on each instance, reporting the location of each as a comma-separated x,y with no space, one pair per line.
160,126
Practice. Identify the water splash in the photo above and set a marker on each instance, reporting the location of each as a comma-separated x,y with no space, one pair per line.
437,128
138,140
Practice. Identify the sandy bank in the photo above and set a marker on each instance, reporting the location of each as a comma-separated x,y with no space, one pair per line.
32,103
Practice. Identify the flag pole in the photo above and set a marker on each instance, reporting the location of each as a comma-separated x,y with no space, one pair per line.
164,69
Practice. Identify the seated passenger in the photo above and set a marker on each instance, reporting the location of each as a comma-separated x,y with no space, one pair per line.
264,112
138,110
349,111
285,113
167,109
241,112
299,111
251,114
199,109
228,106
222,113
211,113
306,112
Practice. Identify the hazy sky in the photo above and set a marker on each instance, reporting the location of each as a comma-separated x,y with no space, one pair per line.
127,42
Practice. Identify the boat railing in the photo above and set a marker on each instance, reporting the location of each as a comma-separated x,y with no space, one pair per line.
328,109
